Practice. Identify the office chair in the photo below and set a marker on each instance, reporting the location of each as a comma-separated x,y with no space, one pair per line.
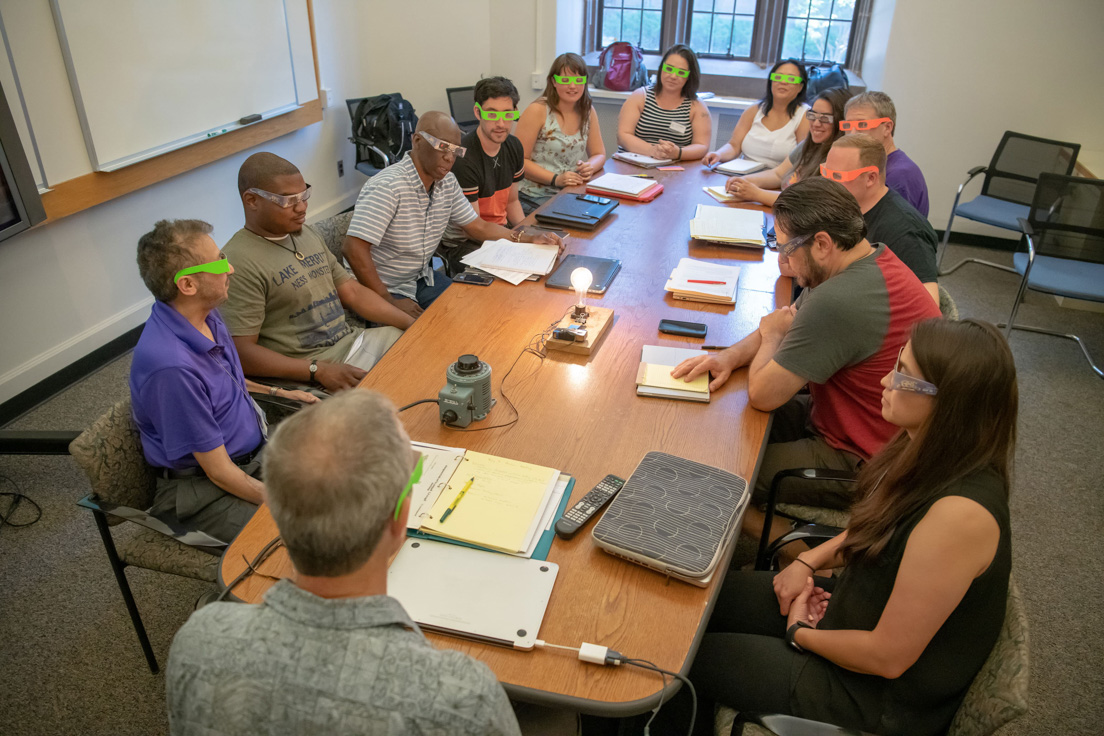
1065,248
461,101
1008,187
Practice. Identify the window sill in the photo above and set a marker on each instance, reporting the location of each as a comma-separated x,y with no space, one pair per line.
727,78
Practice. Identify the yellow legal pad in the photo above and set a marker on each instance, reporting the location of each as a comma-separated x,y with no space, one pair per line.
500,510
659,376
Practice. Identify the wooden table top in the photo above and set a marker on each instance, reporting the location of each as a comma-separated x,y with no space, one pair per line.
581,414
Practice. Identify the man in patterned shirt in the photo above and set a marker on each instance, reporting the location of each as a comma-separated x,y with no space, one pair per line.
403,211
328,652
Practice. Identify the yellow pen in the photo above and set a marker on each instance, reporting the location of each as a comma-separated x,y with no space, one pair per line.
452,506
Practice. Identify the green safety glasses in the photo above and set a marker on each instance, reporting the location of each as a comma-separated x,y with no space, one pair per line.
560,79
787,78
676,71
496,114
220,266
414,478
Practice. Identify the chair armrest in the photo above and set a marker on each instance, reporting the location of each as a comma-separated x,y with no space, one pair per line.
784,725
821,532
196,539
975,171
843,476
1026,227
36,443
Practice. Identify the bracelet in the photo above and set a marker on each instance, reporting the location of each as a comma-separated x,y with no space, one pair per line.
792,631
272,391
516,236
806,564
554,178
680,154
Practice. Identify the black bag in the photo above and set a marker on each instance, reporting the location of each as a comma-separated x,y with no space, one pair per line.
824,76
383,127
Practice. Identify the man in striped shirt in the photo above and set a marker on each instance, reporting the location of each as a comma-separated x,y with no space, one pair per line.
403,211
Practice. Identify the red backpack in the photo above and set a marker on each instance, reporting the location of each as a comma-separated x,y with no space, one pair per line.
621,68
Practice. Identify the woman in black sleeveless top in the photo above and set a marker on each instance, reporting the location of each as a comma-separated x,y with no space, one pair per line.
891,647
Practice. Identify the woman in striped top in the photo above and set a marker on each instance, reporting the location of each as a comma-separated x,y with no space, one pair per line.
666,120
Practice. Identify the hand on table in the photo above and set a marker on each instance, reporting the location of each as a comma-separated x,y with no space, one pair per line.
711,158
339,376
740,187
570,179
716,364
585,170
777,323
547,239
809,606
664,149
409,306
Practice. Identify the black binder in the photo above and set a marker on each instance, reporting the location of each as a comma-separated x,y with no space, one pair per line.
572,211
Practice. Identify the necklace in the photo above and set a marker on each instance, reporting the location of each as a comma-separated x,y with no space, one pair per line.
298,255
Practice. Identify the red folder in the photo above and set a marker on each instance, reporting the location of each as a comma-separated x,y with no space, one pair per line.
646,196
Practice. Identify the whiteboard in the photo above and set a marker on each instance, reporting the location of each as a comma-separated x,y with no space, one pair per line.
149,77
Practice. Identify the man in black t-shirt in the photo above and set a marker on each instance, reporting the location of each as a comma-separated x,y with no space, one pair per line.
491,169
858,163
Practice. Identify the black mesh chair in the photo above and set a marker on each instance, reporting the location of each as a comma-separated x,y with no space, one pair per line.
1009,185
461,102
1064,230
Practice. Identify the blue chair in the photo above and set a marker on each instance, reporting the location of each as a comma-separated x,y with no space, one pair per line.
1009,185
1064,230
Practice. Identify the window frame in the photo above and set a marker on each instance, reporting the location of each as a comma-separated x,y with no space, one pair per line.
767,36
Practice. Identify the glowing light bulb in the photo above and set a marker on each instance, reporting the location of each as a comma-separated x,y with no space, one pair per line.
581,279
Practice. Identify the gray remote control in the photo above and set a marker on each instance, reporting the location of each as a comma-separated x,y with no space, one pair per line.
587,506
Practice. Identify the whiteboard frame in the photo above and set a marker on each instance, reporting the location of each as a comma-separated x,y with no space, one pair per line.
86,130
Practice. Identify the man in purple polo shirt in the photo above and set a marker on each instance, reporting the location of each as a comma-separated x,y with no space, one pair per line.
874,113
200,429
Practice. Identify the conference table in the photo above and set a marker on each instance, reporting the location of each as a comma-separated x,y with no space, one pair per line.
581,415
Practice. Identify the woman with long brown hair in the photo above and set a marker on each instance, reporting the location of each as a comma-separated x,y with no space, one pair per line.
559,132
893,645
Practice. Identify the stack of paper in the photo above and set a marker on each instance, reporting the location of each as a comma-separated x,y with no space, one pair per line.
513,262
509,507
654,376
622,185
739,166
720,194
701,281
729,225
639,159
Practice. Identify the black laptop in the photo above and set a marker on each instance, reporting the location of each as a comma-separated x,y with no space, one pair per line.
576,211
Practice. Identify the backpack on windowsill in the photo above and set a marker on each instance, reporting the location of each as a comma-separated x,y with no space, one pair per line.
621,68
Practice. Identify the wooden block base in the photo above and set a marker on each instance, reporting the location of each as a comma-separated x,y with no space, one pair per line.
596,325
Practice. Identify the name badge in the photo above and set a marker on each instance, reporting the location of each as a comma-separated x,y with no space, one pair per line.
679,128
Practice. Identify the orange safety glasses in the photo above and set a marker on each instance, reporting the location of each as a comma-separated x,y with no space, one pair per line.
860,125
845,175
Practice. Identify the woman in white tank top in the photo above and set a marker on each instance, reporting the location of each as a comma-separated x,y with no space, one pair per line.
769,131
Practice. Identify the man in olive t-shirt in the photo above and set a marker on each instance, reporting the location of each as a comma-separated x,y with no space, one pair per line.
286,308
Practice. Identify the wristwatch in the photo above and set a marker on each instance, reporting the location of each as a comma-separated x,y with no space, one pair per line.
313,370
793,630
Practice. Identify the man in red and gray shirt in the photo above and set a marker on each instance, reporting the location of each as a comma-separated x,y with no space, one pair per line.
840,337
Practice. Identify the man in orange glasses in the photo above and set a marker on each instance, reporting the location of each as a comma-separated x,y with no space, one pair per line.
490,172
873,113
858,162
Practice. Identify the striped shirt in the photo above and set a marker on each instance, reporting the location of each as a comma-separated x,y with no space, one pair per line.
656,124
404,223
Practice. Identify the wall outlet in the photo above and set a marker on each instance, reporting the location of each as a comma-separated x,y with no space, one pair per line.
341,168
537,80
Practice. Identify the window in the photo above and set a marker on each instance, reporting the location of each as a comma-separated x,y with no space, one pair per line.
760,31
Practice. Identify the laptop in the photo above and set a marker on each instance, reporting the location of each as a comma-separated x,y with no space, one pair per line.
576,211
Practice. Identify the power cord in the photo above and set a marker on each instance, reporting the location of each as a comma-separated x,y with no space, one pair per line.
17,497
251,567
598,654
419,401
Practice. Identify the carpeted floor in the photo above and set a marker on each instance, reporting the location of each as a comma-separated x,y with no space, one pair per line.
70,663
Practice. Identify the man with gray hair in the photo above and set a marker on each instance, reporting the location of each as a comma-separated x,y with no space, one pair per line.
841,337
874,113
200,429
328,651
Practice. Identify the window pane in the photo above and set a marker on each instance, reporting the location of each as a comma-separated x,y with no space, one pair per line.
658,4
611,26
636,4
742,30
814,40
838,36
703,5
724,6
722,34
630,26
613,3
818,9
699,32
747,6
653,21
798,9
844,10
793,39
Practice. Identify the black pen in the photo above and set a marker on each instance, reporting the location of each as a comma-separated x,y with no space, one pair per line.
714,347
